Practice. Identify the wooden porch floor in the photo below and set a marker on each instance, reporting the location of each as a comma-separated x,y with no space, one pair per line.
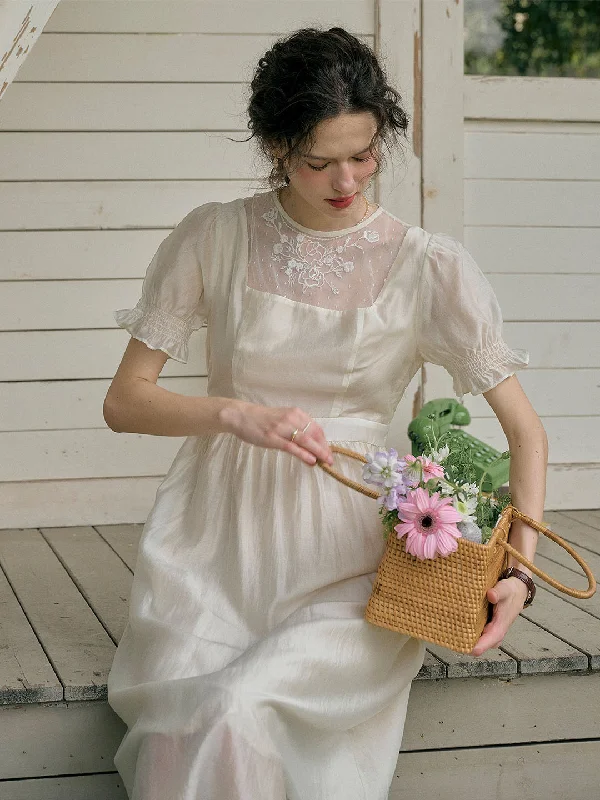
64,595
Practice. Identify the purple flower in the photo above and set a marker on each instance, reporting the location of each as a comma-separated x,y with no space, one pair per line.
383,468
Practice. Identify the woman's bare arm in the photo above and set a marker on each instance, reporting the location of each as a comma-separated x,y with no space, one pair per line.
528,445
135,403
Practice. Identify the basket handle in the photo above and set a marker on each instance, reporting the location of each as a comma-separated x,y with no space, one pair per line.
516,514
342,478
579,593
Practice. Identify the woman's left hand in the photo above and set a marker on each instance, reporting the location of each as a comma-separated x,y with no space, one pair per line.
508,597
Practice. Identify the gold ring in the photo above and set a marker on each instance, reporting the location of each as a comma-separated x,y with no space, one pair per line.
294,434
306,426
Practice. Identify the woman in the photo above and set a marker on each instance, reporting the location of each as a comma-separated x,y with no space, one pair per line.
247,669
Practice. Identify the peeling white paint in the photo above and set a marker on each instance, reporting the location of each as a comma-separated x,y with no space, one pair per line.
20,25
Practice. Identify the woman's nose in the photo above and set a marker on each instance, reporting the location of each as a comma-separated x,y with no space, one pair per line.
344,181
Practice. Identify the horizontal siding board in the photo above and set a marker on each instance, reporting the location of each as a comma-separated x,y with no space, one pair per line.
90,501
29,305
111,501
145,57
55,405
55,305
117,204
89,254
551,390
54,355
124,107
513,249
570,439
125,156
519,202
199,16
51,405
548,297
503,97
101,453
532,156
68,354
77,255
92,453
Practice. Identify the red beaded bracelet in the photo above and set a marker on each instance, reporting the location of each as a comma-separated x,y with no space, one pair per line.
513,572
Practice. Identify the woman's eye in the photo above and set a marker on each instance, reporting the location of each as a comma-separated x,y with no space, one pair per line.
320,169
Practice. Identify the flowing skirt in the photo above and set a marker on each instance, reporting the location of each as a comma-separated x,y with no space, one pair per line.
247,670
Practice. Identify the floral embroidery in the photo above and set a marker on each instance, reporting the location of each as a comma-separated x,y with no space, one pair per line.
309,262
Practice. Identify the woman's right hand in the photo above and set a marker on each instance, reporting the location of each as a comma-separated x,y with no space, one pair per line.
273,428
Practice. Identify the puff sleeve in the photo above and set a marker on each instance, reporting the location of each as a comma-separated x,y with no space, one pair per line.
459,320
173,301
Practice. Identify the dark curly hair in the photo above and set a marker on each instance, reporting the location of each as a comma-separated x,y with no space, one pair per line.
313,75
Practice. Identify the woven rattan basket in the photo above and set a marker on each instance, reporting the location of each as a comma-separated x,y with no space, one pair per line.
444,600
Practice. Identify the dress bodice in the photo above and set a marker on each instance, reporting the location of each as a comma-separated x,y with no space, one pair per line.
336,322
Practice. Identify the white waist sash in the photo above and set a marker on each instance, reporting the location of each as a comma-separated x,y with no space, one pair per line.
353,429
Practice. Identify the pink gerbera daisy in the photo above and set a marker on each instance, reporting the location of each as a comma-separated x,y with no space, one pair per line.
428,521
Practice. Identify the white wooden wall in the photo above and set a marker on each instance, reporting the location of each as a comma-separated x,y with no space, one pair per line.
526,161
109,135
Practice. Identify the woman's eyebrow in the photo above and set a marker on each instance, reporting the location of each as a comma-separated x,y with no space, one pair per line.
322,158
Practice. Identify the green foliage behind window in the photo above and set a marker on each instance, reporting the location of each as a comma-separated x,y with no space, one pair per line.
549,38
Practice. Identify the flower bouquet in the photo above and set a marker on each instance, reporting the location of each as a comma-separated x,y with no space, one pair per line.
433,500
446,543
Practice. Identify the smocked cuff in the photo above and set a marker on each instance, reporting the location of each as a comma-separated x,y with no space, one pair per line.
157,329
481,370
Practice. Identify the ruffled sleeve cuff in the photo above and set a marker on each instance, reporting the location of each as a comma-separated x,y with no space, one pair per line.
481,370
157,329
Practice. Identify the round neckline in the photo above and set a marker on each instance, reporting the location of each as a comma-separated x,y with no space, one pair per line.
323,234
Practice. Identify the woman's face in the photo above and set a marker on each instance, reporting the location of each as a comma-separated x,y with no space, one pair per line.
338,165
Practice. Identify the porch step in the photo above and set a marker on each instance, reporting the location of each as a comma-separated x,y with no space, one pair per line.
64,594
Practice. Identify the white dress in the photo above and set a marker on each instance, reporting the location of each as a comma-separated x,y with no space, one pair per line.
246,670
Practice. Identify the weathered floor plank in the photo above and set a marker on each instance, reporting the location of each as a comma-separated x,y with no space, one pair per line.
568,622
589,517
573,579
102,786
462,665
26,675
561,771
538,651
97,571
575,532
432,668
124,540
77,645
